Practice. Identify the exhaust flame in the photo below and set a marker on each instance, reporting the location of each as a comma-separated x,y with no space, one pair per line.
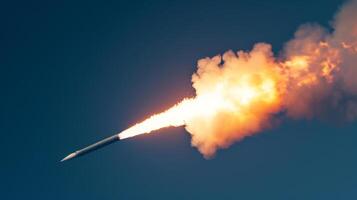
238,94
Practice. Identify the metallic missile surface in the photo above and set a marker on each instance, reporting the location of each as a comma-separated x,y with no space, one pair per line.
92,147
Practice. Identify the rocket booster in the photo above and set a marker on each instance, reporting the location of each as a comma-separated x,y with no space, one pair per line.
92,147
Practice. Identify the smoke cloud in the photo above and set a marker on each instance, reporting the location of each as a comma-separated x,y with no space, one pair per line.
316,77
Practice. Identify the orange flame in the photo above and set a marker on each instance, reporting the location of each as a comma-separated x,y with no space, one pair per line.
227,94
237,94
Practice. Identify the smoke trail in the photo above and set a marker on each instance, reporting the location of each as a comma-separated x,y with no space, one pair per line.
331,61
237,94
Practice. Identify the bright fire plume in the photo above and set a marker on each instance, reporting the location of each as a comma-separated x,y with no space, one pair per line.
239,94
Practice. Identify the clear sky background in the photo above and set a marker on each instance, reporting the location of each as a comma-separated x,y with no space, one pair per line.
74,72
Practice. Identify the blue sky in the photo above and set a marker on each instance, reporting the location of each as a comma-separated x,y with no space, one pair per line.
75,72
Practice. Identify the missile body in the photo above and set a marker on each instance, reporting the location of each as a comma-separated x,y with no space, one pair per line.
92,147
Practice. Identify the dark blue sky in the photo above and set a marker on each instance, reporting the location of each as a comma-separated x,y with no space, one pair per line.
74,72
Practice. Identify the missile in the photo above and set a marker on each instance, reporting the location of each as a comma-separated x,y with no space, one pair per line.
92,147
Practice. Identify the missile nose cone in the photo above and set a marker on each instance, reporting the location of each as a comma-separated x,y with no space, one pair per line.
70,156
